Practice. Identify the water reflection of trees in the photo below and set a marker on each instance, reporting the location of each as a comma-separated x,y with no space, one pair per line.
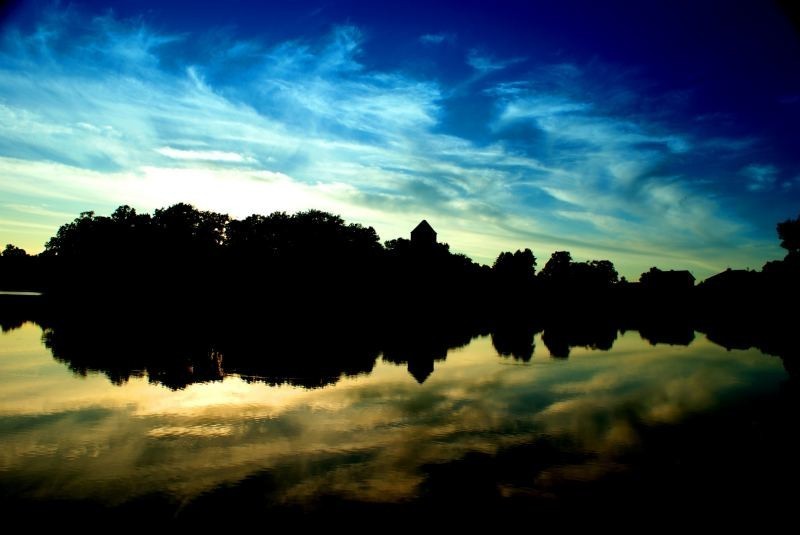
560,338
312,354
515,339
308,354
178,354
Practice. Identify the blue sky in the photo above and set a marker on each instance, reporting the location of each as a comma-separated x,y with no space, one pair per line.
647,133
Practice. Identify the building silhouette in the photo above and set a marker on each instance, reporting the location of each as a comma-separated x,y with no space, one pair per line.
731,279
423,235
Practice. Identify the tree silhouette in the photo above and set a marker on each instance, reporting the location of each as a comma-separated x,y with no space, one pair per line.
517,266
560,270
19,270
789,233
184,230
595,273
12,251
556,270
671,280
74,239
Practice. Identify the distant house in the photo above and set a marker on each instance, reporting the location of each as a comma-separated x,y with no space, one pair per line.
731,279
423,235
667,280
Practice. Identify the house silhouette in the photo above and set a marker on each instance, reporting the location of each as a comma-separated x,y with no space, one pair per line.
423,235
731,279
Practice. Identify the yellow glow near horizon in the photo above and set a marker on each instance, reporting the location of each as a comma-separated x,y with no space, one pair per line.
234,428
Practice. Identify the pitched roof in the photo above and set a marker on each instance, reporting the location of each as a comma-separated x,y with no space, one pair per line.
424,226
731,276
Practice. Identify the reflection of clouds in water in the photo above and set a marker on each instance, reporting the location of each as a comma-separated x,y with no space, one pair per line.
652,387
366,437
605,411
210,430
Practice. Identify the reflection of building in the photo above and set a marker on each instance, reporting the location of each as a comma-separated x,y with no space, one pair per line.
420,369
423,235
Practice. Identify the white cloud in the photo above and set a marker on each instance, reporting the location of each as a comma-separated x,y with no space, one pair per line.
538,108
204,155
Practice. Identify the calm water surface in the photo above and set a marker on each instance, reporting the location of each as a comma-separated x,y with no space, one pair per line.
480,425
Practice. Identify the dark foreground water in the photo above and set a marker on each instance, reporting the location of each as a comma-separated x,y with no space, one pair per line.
663,430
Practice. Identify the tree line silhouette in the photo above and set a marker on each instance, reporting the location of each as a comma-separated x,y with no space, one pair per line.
182,255
307,297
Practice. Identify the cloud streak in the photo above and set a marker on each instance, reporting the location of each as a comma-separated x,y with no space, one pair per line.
485,64
99,112
436,38
204,155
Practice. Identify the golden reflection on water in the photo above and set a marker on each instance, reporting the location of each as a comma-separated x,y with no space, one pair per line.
366,437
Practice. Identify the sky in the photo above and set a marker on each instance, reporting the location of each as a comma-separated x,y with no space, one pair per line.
647,133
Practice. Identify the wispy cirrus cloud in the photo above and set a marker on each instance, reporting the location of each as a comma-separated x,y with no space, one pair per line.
617,177
760,177
485,63
204,155
436,38
111,111
540,107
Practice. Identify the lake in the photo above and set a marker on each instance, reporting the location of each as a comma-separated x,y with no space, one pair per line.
664,428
